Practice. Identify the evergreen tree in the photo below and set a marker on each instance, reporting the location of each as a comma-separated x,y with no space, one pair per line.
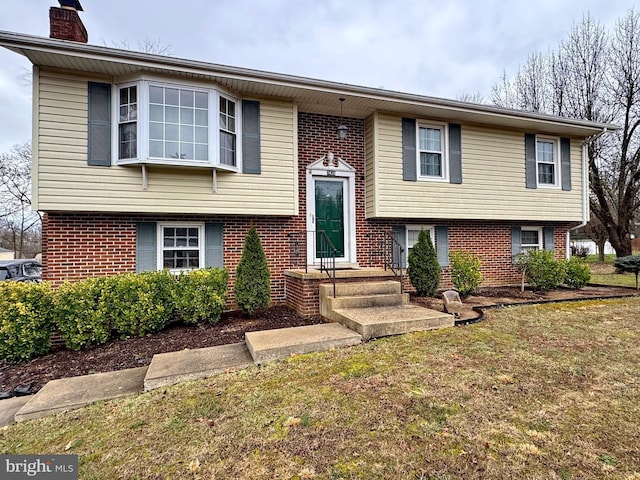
252,288
424,269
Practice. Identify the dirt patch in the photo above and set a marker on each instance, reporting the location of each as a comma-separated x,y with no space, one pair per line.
24,379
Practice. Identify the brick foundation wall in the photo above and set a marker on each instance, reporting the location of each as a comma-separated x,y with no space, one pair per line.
77,246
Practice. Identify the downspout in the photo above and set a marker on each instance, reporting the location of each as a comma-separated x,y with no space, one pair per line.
585,191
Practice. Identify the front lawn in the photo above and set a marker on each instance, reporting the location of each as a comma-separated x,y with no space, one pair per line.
604,274
549,391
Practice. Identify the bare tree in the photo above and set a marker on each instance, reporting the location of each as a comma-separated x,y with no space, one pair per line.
16,216
146,46
594,230
593,76
471,97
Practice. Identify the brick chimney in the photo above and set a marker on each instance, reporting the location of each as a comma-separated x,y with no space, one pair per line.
65,23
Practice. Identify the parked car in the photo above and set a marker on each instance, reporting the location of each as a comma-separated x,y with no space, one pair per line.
21,270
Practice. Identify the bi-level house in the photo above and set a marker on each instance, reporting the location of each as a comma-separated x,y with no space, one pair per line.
143,161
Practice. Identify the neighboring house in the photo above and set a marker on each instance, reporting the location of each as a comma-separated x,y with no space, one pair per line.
147,162
6,254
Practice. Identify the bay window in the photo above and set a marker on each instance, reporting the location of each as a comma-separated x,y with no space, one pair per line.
176,125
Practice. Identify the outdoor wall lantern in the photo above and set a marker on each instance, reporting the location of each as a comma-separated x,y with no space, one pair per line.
342,128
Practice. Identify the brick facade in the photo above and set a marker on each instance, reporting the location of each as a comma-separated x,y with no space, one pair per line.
77,246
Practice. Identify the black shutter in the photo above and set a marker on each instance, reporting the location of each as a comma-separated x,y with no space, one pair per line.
516,243
99,124
409,159
400,235
530,160
565,163
548,239
455,153
442,246
213,245
146,244
251,162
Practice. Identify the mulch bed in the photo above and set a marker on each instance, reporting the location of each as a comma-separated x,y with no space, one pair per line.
27,378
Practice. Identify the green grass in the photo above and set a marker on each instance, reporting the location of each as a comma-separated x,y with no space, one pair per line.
604,274
548,391
608,258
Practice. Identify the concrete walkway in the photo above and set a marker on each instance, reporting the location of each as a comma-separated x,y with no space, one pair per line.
171,368
175,367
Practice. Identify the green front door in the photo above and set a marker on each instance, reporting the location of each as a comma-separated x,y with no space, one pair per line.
330,216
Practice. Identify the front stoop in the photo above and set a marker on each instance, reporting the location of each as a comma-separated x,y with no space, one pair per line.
271,345
378,309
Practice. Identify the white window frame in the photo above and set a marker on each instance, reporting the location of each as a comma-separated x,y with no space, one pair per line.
430,229
556,161
143,157
160,245
524,247
444,139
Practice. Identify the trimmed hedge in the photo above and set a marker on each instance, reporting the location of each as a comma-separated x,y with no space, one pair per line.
92,311
25,320
80,313
139,303
201,295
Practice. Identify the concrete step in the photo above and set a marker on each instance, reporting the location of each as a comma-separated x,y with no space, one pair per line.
270,345
348,289
175,367
383,321
9,407
364,301
75,392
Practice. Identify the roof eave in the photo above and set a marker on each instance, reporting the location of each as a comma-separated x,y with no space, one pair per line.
26,44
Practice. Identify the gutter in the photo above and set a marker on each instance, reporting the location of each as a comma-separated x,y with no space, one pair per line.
585,190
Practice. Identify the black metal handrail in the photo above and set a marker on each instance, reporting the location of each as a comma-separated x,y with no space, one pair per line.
323,249
326,252
391,251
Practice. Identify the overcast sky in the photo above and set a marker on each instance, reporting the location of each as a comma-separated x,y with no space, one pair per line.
444,48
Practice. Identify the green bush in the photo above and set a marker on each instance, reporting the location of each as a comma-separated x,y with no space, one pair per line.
424,269
252,287
80,313
465,272
541,269
201,295
577,273
25,320
139,303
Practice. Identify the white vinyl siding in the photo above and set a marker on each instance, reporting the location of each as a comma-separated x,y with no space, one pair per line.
494,186
66,183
